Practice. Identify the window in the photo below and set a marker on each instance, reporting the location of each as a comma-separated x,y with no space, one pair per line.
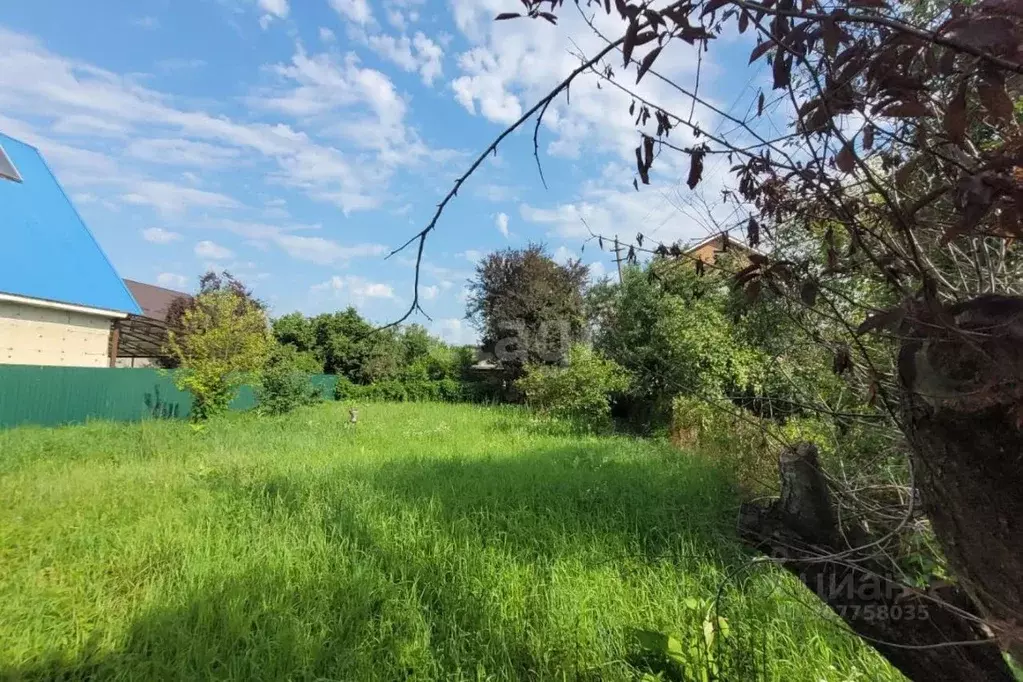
7,169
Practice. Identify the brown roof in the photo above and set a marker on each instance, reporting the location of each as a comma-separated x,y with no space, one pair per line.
718,238
153,300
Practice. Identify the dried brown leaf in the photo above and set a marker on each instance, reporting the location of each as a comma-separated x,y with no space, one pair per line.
695,169
846,159
994,98
868,136
503,16
712,5
753,290
955,116
831,35
908,109
647,62
760,50
808,292
642,168
629,43
883,319
782,71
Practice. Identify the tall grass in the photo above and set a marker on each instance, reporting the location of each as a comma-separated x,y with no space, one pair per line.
426,542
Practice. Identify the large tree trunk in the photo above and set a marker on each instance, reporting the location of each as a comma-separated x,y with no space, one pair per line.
916,630
962,404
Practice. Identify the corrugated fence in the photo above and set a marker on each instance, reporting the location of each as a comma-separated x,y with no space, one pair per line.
51,396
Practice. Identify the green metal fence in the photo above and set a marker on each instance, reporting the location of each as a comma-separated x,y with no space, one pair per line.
51,396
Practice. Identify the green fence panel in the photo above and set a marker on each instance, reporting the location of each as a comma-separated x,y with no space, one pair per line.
50,396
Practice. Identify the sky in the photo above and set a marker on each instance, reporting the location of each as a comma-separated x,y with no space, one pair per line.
295,143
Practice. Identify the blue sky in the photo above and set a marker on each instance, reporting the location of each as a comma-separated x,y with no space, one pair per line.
294,142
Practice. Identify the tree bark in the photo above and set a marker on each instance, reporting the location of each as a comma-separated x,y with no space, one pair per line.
929,635
962,406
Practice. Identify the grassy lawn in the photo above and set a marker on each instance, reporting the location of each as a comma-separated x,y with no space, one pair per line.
429,542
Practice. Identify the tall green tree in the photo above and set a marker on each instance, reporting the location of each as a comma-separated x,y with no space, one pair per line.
223,341
528,307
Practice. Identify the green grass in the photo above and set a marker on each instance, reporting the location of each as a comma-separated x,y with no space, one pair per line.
428,542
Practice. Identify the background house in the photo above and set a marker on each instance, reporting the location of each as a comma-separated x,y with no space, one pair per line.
141,340
710,248
59,294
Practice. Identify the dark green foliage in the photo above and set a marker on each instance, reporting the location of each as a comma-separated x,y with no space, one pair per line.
284,384
528,307
682,333
403,364
580,391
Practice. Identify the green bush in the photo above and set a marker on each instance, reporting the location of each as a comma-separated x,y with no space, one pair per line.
746,444
284,383
415,389
580,391
224,338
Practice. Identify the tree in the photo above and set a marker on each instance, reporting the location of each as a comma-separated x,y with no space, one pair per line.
295,329
902,158
224,339
527,307
581,391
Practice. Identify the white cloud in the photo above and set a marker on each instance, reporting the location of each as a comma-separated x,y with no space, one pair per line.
662,211
169,198
496,192
278,8
502,224
172,280
356,289
396,19
369,135
148,23
416,54
326,35
359,107
318,250
158,235
597,271
563,255
471,255
357,11
511,64
455,331
182,152
212,251
429,293
430,57
324,251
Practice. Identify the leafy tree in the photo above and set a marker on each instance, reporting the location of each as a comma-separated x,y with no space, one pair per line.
295,329
671,329
528,307
223,341
581,391
284,383
900,153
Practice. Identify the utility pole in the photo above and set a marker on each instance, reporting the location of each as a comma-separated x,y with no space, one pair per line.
618,258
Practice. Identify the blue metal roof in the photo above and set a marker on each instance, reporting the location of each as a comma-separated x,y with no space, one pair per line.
46,250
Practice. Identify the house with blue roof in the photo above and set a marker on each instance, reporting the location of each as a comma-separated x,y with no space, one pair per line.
59,295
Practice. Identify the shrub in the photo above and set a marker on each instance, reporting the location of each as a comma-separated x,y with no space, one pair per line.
746,444
580,391
223,340
407,389
284,383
